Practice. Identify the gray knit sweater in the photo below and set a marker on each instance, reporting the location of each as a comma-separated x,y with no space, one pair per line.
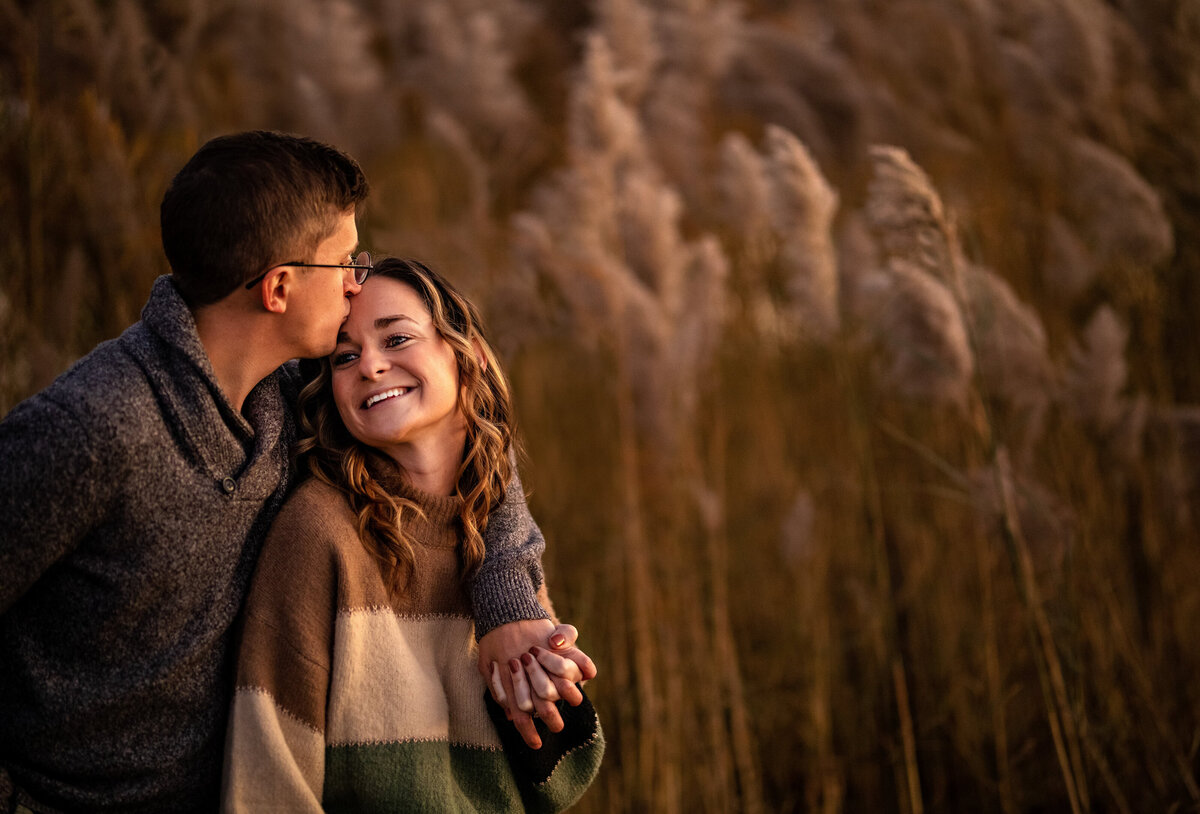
133,502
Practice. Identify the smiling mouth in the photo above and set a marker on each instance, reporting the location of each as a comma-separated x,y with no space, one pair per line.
386,394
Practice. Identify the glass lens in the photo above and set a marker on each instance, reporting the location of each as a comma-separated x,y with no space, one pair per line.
362,267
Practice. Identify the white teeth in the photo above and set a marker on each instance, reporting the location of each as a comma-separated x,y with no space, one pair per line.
386,394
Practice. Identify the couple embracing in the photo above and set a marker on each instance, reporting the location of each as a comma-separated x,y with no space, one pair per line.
231,580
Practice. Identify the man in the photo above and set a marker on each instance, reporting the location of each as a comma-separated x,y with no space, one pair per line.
136,489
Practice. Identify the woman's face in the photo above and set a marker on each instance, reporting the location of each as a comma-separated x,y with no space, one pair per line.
395,380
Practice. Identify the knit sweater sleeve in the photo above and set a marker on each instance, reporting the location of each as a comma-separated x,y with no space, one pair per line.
53,490
506,585
275,745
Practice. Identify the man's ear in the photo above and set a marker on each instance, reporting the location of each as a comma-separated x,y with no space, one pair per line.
275,288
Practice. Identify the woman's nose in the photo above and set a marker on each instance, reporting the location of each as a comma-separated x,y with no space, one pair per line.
371,364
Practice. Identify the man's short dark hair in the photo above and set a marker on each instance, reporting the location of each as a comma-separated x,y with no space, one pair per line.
246,201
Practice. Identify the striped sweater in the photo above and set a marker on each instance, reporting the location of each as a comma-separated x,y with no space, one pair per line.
348,700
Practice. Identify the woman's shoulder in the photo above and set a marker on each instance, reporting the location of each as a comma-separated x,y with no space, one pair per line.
313,525
316,533
315,506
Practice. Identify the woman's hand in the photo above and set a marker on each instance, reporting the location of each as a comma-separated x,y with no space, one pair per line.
561,667
529,665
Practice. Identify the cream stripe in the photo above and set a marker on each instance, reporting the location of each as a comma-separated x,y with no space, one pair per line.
406,678
273,761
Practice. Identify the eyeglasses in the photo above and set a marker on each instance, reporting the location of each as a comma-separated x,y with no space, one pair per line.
361,264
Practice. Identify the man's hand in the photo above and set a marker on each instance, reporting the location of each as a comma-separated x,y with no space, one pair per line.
528,665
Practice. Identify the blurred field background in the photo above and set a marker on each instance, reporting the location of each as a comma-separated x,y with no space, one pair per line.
853,343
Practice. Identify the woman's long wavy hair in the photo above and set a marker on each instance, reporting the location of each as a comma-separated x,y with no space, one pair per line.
334,456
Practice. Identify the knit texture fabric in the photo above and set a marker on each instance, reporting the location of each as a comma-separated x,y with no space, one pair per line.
351,700
133,501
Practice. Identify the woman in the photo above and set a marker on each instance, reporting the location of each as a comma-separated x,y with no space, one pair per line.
357,688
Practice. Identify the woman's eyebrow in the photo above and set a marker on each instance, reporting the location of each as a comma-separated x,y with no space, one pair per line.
383,322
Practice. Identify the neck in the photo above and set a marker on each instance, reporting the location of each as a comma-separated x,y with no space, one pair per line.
431,466
240,348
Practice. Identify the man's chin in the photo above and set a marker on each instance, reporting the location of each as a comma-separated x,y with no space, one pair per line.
320,352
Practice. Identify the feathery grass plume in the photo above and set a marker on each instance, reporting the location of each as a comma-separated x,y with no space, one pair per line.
744,191
1011,354
1073,42
538,300
902,195
319,76
1027,85
1097,372
628,27
604,240
1068,267
123,54
466,64
801,207
1119,214
692,46
1005,336
699,37
701,320
648,216
906,216
795,73
602,130
915,321
743,212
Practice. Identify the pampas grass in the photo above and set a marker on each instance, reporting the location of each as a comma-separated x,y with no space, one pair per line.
868,472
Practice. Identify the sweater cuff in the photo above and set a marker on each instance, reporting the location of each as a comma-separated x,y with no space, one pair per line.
505,595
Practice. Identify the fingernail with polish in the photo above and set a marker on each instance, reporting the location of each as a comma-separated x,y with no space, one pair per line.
526,659
558,640
514,665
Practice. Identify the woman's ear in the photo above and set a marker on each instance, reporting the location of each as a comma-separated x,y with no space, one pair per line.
480,356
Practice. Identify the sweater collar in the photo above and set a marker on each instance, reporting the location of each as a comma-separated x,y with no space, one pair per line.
442,512
227,441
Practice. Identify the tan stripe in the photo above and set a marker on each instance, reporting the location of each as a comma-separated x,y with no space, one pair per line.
406,678
273,761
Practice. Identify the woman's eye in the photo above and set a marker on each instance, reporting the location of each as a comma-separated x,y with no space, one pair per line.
395,341
343,357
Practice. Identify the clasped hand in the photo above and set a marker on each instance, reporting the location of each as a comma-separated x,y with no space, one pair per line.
529,665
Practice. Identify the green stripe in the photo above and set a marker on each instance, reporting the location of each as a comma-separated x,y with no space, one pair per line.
432,776
418,777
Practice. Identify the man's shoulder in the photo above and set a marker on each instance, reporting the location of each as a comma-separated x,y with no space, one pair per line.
92,391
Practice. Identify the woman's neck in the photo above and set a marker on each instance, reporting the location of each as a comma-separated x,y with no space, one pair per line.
432,465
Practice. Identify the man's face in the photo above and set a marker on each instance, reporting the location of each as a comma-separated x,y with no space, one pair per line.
321,295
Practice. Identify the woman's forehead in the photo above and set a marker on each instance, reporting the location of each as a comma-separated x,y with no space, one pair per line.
383,302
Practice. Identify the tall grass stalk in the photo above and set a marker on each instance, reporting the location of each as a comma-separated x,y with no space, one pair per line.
885,578
903,197
848,520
